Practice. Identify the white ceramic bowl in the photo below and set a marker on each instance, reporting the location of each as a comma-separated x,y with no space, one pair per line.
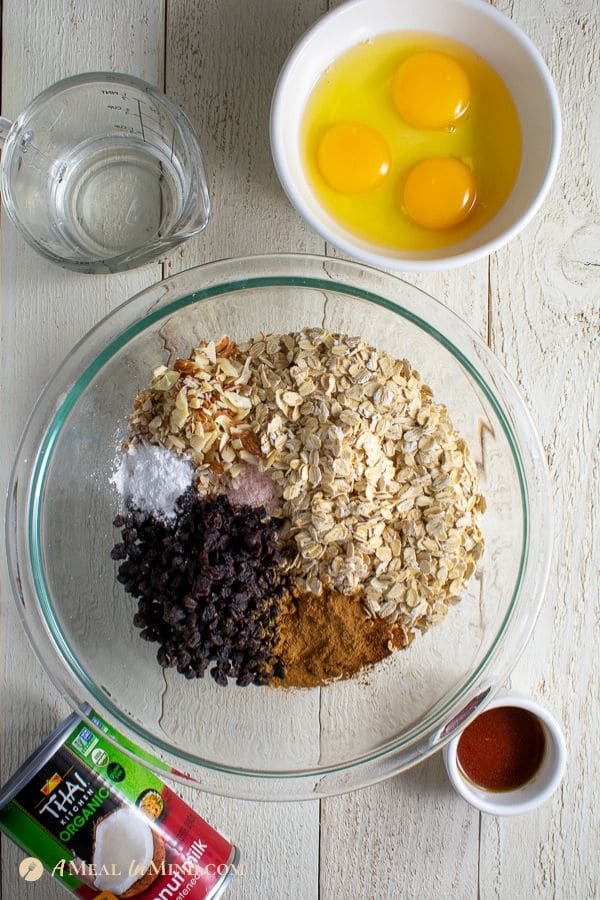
531,795
492,36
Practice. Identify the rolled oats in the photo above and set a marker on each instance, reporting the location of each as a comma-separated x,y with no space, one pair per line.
377,489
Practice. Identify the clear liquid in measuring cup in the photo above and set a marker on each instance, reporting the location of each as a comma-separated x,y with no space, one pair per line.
113,196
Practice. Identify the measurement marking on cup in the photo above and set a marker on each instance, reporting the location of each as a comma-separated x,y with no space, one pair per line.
141,120
147,118
148,130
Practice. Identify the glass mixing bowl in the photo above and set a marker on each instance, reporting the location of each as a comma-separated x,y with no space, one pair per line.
261,742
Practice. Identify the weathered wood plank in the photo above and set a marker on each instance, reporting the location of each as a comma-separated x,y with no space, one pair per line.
222,64
223,58
44,310
545,329
409,837
372,841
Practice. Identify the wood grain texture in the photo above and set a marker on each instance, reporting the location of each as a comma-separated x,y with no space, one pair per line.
44,311
225,85
545,329
409,837
223,60
406,838
222,63
372,841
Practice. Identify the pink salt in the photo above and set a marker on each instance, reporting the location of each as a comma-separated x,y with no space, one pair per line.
252,487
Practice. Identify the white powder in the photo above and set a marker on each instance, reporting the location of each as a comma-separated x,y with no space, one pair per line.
153,478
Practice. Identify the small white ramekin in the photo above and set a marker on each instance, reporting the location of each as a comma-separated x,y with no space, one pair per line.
534,792
472,22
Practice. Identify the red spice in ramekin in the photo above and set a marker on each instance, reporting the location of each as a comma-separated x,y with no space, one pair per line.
502,749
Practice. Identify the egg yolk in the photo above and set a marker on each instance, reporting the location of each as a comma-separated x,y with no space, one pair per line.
353,158
439,192
431,91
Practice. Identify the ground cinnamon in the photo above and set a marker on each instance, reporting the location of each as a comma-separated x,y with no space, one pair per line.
327,638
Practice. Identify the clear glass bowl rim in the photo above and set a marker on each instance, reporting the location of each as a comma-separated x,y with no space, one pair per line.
111,334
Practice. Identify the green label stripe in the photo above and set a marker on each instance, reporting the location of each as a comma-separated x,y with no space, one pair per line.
127,744
33,838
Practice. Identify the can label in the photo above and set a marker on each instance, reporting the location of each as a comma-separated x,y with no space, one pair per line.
107,827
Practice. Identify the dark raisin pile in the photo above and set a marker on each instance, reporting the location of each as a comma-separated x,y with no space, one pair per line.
209,587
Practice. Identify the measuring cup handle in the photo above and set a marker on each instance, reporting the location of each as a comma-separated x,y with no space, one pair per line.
5,126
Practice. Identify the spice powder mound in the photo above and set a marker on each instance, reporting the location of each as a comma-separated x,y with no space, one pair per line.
324,639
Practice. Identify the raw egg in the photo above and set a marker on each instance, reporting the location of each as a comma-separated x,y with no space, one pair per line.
431,90
439,192
353,158
411,141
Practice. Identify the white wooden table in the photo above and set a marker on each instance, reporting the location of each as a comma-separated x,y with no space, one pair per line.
536,302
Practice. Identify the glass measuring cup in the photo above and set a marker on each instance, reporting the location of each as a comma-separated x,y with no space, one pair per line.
102,172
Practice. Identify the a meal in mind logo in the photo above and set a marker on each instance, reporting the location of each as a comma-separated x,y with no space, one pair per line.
31,869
